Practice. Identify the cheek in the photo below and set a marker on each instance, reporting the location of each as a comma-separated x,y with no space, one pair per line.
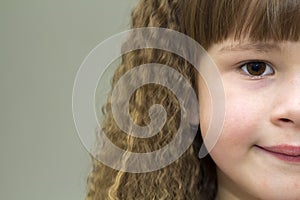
242,121
238,134
239,121
239,114
245,113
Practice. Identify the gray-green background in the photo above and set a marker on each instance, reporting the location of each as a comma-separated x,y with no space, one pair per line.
42,44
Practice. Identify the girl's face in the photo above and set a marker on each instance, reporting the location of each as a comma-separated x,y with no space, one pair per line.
258,152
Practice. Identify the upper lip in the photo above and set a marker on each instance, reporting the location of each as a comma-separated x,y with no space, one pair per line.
283,149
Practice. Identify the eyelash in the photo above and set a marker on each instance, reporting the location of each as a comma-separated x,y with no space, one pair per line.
268,70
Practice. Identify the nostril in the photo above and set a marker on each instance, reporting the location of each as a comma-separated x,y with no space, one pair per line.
285,120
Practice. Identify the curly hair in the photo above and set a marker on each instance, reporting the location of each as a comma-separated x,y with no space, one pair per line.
207,22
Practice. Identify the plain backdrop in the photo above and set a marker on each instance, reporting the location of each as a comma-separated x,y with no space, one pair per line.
42,45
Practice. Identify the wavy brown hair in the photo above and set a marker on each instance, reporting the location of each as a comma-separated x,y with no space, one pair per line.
207,22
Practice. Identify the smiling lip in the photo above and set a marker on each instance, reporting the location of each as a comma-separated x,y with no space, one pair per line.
284,152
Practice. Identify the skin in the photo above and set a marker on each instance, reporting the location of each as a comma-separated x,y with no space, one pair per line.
260,111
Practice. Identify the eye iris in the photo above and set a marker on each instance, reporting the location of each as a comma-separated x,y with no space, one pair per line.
256,69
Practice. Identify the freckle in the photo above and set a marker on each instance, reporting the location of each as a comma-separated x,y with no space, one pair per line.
296,184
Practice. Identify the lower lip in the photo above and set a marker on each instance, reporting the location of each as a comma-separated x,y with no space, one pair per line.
287,158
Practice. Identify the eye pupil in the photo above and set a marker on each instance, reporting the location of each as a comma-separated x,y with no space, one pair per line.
256,68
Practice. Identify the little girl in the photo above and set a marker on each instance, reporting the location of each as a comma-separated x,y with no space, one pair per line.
255,45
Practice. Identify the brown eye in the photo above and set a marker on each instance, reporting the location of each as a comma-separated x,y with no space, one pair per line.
257,69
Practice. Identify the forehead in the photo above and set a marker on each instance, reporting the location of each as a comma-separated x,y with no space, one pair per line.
232,45
247,46
287,51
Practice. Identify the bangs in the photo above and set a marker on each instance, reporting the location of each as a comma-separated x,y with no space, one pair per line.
277,20
256,20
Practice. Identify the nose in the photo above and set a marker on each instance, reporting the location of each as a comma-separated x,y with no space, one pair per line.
286,110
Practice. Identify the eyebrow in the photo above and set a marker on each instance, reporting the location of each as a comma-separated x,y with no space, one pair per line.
260,47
